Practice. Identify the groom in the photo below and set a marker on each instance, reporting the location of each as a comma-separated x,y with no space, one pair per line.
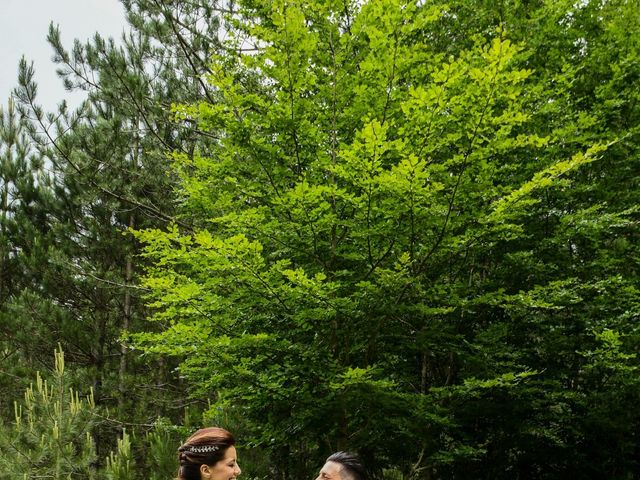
342,466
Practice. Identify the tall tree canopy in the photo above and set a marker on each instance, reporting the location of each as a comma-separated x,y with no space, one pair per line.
416,237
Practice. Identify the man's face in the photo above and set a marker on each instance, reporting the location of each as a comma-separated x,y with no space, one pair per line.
330,471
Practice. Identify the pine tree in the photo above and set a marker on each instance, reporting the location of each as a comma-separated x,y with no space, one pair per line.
109,169
51,435
25,186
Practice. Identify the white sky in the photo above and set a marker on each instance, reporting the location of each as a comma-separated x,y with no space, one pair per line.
23,31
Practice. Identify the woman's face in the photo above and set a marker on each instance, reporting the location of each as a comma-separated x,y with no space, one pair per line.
225,469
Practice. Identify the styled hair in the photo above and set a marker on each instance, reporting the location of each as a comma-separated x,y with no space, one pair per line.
351,464
205,447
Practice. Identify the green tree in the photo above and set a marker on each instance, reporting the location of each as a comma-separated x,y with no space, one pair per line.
52,436
52,431
24,186
413,235
108,173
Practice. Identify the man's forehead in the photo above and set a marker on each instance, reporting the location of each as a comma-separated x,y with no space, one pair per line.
332,468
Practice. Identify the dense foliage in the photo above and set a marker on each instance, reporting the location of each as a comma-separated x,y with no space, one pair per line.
399,237
404,228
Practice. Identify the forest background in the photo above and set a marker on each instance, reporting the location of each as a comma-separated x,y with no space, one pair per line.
403,228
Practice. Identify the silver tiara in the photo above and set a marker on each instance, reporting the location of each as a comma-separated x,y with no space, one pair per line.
201,449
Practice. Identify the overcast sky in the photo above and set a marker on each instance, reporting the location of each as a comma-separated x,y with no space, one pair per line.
23,31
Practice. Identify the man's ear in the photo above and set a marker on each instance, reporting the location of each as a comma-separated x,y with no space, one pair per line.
205,472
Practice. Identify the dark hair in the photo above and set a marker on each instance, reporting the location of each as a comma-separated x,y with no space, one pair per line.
351,463
205,447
